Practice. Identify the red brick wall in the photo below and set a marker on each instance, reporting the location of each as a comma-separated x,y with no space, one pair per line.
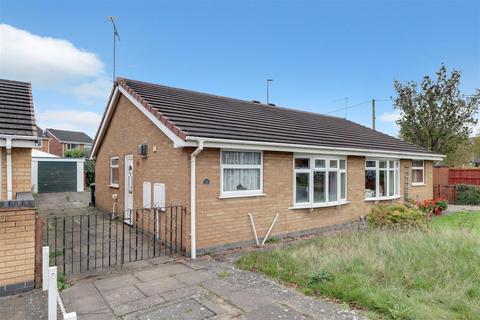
55,146
44,147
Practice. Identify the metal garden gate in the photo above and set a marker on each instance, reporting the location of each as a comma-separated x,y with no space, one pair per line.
81,243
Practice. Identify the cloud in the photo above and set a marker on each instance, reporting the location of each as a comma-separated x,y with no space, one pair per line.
75,120
44,61
389,116
92,91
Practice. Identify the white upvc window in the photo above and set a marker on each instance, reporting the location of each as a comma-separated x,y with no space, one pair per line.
319,180
382,179
114,172
418,172
71,146
241,173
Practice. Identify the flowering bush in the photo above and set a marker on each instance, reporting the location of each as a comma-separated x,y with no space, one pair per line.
435,206
395,215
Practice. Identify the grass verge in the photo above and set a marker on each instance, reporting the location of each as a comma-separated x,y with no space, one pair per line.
434,274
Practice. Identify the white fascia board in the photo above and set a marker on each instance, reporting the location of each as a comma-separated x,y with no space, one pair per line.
271,146
46,130
58,159
18,143
169,133
76,142
177,142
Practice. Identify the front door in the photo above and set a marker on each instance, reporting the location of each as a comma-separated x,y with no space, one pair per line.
128,189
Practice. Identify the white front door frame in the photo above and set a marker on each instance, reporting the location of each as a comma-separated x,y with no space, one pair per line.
128,186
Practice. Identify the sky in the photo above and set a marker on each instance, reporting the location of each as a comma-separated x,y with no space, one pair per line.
321,55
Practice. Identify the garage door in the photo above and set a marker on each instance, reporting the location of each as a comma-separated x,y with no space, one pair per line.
56,176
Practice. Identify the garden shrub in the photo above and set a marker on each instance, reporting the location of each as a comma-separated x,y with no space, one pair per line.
89,169
467,195
395,215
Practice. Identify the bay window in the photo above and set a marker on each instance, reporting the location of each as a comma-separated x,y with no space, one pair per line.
319,180
382,179
242,173
418,172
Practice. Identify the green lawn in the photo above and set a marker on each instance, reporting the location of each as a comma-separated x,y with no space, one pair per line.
433,274
461,220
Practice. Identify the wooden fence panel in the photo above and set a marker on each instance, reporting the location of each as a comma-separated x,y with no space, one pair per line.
464,176
446,192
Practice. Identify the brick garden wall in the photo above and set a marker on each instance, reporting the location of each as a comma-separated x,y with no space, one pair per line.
17,250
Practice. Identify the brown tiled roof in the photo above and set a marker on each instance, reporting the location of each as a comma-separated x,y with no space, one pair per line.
17,116
70,136
190,113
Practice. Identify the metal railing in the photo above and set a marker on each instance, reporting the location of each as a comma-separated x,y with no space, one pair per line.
81,243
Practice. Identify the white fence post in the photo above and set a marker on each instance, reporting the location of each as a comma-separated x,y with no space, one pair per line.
70,316
52,293
45,265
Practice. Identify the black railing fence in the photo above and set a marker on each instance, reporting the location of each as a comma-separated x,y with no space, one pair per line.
80,243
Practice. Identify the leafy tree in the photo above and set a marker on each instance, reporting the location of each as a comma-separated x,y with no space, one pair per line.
88,167
435,114
462,156
476,147
75,153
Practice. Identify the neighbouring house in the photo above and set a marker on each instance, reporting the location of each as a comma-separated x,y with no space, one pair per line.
63,140
42,141
18,136
223,158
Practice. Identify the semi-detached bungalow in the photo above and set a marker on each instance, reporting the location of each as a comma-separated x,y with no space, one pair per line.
223,158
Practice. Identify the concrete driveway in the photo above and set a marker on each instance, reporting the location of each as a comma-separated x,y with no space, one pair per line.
58,202
162,288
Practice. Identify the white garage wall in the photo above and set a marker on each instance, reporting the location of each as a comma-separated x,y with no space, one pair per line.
34,176
80,176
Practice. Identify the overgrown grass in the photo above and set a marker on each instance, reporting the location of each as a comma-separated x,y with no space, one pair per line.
461,220
433,274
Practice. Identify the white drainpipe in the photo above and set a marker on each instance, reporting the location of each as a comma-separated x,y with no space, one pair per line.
193,231
8,146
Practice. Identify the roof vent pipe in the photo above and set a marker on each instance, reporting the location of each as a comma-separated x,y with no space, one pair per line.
255,101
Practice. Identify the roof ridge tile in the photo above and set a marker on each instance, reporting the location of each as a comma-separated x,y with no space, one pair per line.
156,113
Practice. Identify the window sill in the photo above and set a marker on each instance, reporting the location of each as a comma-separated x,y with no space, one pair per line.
382,198
113,186
418,184
323,205
229,196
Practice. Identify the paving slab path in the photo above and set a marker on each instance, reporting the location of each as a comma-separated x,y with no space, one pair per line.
206,288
